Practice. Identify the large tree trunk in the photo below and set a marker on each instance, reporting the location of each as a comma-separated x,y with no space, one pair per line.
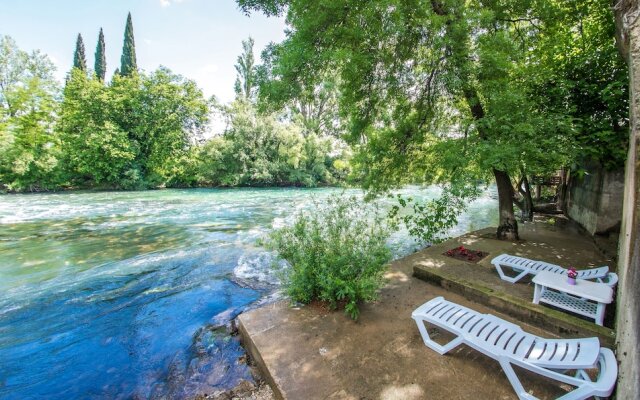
628,307
507,226
527,214
526,204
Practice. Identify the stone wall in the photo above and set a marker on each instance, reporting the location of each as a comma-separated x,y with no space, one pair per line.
595,199
628,315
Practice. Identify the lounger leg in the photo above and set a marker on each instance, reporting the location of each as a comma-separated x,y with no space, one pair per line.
537,293
510,279
600,314
440,349
580,393
583,388
515,382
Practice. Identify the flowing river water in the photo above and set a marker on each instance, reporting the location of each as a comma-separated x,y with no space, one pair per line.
115,295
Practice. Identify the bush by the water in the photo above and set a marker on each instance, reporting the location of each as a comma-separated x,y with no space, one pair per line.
337,254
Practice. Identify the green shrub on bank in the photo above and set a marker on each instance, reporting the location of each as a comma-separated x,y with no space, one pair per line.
336,252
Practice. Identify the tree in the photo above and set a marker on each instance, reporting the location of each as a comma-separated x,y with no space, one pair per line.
16,68
432,94
100,66
79,58
314,104
133,133
163,114
576,70
246,71
128,62
265,149
12,72
97,152
29,145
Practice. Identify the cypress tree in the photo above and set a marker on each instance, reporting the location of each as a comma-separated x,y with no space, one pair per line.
128,63
100,66
79,59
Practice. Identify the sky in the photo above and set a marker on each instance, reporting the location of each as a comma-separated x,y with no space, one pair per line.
199,39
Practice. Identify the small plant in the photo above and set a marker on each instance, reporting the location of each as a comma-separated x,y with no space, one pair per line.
336,252
572,273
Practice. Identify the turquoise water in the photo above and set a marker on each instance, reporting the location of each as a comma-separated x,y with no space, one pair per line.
122,294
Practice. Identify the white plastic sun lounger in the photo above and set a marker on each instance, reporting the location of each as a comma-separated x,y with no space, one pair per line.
524,266
508,344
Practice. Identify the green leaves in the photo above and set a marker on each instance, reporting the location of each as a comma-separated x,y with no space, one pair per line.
100,65
261,150
576,70
336,253
428,221
79,57
245,84
133,133
29,146
128,61
435,92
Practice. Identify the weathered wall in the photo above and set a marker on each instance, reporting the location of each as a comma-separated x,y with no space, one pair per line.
628,307
595,200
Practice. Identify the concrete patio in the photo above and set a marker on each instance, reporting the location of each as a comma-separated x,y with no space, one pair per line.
312,353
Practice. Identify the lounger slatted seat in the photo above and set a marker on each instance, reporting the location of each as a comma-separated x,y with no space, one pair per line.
524,266
510,345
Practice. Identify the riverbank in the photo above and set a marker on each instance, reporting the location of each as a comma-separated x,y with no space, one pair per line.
93,189
309,353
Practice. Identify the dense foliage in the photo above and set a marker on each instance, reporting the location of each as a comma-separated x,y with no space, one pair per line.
29,147
145,130
336,254
261,150
132,133
577,71
455,92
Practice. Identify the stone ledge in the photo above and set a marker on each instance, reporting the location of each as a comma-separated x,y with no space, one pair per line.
251,348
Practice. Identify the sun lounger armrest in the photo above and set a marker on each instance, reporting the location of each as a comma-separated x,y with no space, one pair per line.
426,306
611,279
608,367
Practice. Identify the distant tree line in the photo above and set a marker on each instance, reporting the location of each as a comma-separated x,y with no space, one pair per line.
147,130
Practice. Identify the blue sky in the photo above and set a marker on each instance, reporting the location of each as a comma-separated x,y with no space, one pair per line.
199,39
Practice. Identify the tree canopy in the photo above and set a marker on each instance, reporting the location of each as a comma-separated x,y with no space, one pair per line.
28,144
448,92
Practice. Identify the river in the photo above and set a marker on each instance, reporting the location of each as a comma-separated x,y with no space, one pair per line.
116,295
